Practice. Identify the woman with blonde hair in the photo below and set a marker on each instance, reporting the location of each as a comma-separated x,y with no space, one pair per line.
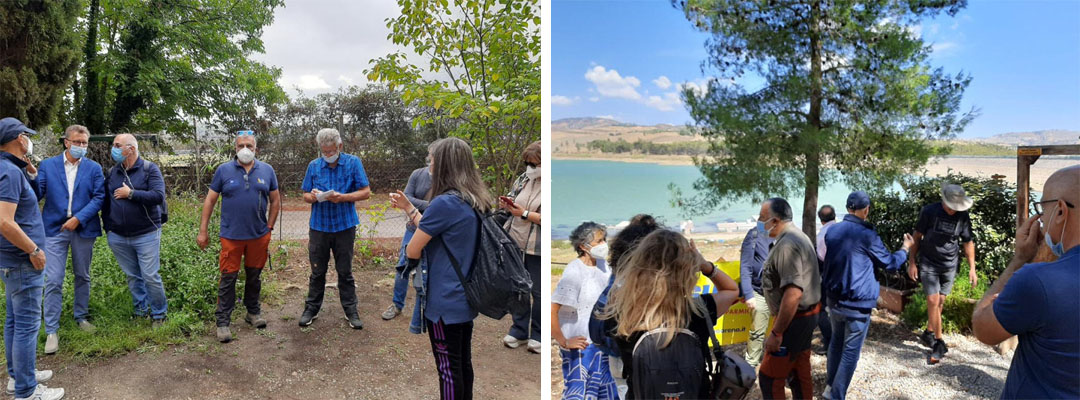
448,228
653,289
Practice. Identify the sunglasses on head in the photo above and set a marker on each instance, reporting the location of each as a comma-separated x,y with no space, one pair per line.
244,133
529,164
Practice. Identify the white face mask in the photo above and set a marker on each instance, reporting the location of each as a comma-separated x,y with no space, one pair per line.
29,146
599,251
532,172
245,156
331,159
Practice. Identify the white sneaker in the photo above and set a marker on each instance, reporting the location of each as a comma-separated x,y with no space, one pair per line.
52,343
42,376
44,393
512,342
534,346
827,393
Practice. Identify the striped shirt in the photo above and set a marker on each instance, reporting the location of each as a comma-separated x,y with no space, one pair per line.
347,177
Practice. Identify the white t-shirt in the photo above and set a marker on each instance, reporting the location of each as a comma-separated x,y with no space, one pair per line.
577,292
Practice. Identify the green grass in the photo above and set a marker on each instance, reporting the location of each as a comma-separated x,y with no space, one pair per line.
190,277
956,316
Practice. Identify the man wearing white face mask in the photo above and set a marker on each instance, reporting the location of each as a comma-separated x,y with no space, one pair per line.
249,191
524,204
74,190
333,184
1038,302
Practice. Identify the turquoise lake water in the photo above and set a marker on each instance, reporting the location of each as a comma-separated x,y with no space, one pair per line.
610,192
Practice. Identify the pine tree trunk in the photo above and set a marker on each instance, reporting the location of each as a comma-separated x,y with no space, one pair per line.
812,170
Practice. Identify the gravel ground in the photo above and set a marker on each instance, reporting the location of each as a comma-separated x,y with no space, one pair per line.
894,365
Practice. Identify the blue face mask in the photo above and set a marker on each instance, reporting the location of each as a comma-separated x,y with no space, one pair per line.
118,154
1057,248
77,152
761,227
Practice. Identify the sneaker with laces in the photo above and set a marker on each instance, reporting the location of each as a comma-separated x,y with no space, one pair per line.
534,346
308,316
52,343
86,326
223,334
513,342
927,338
255,320
391,312
40,375
41,392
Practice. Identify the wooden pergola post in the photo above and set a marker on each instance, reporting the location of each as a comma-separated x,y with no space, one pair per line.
1025,157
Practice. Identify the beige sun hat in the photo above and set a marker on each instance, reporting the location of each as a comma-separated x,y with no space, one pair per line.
953,196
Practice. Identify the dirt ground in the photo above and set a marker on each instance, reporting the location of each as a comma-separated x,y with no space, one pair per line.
327,360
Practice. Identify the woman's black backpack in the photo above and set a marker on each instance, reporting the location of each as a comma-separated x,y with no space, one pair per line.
677,371
498,282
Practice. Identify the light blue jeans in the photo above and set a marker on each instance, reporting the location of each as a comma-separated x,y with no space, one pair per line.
22,287
848,334
140,258
401,285
401,276
56,254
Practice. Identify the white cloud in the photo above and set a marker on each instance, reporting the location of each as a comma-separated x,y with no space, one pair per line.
944,47
594,99
667,102
610,84
662,82
346,80
304,82
563,100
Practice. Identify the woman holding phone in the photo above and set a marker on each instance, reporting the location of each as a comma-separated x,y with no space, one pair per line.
524,228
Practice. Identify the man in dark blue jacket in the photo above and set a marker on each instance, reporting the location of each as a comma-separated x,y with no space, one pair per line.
853,250
132,216
74,189
754,252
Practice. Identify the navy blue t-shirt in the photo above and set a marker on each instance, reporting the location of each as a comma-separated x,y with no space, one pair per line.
14,188
245,197
1040,305
450,218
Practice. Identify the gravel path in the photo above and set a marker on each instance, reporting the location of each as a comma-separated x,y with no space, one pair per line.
894,365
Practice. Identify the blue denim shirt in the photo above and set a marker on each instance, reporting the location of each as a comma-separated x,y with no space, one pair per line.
347,177
754,252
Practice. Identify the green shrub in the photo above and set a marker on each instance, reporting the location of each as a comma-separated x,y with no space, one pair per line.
956,316
190,277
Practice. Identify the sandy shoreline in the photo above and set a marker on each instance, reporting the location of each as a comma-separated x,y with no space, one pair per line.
979,166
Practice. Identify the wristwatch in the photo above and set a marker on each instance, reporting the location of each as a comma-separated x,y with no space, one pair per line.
35,252
525,215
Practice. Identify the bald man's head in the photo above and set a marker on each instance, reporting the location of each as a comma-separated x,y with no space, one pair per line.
1061,217
1064,184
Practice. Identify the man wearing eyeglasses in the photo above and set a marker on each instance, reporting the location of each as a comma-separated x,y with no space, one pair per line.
132,216
1038,302
74,190
942,229
248,189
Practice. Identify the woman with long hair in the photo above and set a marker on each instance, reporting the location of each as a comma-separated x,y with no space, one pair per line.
653,290
524,229
448,229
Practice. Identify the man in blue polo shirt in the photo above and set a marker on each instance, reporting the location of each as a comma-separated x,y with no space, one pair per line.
332,185
249,189
21,262
1038,302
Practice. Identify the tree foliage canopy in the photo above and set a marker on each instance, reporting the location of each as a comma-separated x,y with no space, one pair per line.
481,69
38,57
849,94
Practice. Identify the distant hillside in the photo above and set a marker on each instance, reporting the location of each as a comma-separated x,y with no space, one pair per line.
1054,136
568,124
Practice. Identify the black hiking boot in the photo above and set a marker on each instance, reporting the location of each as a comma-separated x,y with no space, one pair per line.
927,338
354,321
938,352
308,316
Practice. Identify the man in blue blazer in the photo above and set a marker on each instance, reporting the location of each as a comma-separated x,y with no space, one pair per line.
73,187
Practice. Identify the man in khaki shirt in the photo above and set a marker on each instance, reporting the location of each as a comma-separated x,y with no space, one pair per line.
792,285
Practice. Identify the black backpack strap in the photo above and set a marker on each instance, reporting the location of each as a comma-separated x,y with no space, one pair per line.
453,260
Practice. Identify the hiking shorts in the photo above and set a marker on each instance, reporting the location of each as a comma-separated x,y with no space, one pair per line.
253,251
937,282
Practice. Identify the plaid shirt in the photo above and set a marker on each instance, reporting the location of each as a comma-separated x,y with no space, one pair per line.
347,177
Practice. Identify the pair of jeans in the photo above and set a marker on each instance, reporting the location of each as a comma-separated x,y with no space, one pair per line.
56,255
755,346
824,322
416,325
849,332
320,245
140,259
22,287
527,324
451,344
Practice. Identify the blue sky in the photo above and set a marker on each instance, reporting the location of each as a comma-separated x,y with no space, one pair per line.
626,59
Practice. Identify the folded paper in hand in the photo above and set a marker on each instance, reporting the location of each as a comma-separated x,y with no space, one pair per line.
323,196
